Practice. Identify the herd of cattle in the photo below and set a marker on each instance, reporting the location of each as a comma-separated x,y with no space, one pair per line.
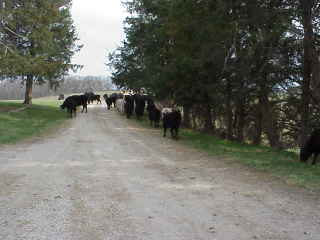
129,104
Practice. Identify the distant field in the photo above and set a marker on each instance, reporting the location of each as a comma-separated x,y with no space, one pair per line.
18,121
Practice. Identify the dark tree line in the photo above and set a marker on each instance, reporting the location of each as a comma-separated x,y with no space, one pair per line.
246,70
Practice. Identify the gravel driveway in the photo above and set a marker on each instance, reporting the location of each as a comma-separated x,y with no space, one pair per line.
104,177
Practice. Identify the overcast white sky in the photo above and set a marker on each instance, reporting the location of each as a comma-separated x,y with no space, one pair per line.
100,29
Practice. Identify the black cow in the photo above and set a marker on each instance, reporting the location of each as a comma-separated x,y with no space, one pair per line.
311,147
96,98
140,104
154,114
128,105
108,100
73,101
114,97
89,96
93,97
172,120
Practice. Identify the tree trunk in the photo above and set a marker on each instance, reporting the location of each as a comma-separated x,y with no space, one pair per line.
258,126
208,119
270,122
229,112
308,46
194,119
28,93
241,122
186,117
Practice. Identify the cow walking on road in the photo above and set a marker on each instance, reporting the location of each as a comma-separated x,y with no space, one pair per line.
171,119
71,103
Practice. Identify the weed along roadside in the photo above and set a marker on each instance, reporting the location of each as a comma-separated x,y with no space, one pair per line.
18,122
282,164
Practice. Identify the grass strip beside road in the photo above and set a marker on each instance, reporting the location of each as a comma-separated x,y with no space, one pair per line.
18,122
283,164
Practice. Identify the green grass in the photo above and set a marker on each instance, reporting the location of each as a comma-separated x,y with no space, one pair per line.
43,115
36,119
282,164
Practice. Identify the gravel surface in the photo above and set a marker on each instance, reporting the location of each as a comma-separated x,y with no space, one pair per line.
105,177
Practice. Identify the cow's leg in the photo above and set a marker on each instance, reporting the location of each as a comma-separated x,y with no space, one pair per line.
172,132
164,131
70,112
84,106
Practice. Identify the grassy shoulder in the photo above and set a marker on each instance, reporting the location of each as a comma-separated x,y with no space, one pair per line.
282,164
18,121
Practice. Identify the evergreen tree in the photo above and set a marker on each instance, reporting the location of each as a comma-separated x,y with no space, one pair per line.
38,40
247,69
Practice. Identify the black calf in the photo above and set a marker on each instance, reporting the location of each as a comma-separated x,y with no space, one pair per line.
172,120
128,105
154,114
114,97
96,98
311,147
140,105
108,100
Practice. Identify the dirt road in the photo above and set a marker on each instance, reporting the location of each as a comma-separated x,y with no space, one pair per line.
104,177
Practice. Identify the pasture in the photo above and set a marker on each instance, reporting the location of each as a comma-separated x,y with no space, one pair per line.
18,122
